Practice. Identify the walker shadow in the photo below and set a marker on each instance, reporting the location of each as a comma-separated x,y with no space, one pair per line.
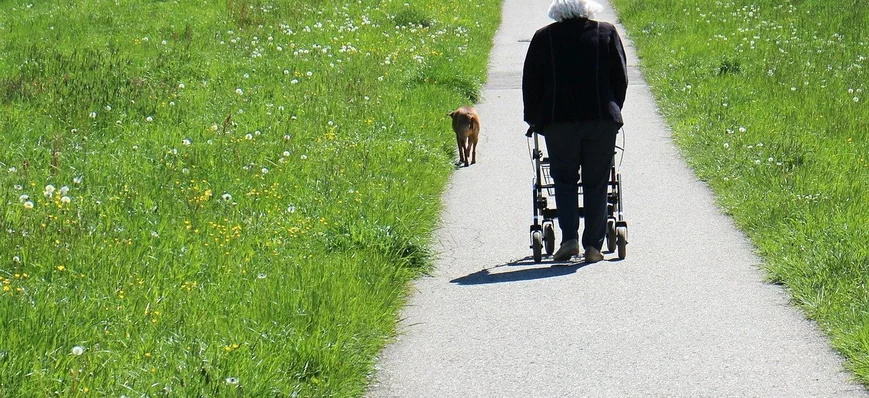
484,276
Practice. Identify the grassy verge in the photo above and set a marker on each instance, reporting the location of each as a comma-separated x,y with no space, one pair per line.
768,101
220,198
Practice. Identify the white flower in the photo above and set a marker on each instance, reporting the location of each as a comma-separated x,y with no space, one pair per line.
265,170
239,91
16,259
856,99
149,119
257,133
171,103
64,190
214,127
309,74
248,136
28,205
49,188
287,137
294,81
163,42
24,198
286,153
291,209
286,71
65,200
226,197
77,350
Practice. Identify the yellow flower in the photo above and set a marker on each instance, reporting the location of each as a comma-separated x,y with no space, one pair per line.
61,268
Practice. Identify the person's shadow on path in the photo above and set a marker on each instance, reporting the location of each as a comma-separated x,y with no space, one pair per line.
485,276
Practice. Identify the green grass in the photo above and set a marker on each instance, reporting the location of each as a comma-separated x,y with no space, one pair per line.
220,198
768,101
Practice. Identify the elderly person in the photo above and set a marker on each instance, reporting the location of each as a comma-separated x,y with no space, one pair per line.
573,87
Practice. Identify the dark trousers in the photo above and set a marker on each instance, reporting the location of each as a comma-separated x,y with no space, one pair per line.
585,147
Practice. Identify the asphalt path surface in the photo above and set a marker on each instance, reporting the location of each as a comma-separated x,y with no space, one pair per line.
686,314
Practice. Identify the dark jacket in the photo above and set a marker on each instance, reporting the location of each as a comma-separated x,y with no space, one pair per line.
574,71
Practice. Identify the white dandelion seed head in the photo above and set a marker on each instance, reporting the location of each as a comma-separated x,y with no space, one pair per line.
257,133
13,169
232,380
77,350
16,259
261,275
856,99
93,115
49,188
108,107
265,170
149,119
64,190
309,74
155,234
226,197
65,200
28,205
303,157
726,145
741,129
181,85
186,141
294,81
24,198
239,91
291,209
248,136
286,153
287,137
214,127
77,179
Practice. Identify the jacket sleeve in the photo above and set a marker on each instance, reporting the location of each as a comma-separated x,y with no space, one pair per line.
619,73
532,79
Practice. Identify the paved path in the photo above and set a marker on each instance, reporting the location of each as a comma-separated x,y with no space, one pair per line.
687,314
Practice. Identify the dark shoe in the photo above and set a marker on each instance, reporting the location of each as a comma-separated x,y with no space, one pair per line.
567,250
592,255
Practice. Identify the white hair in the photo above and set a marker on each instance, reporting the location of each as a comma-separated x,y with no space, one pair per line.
567,9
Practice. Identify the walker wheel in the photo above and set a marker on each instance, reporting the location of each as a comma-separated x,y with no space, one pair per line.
537,246
549,239
622,241
611,235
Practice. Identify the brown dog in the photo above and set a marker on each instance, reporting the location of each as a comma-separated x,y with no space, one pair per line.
466,124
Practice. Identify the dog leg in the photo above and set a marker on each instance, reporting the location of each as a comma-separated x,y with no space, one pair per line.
462,158
473,146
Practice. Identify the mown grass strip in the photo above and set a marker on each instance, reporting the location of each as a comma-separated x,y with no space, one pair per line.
768,101
220,198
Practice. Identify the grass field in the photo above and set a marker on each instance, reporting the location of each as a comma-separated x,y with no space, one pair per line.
220,198
768,101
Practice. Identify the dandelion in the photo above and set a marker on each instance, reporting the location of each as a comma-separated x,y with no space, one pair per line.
18,187
286,153
291,209
155,234
232,381
149,119
16,260
226,197
24,198
304,157
181,85
741,129
186,141
287,137
265,170
77,350
239,91
286,71
856,99
726,145
61,268
261,275
309,74
294,81
93,115
13,169
108,108
248,136
64,190
77,180
65,200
